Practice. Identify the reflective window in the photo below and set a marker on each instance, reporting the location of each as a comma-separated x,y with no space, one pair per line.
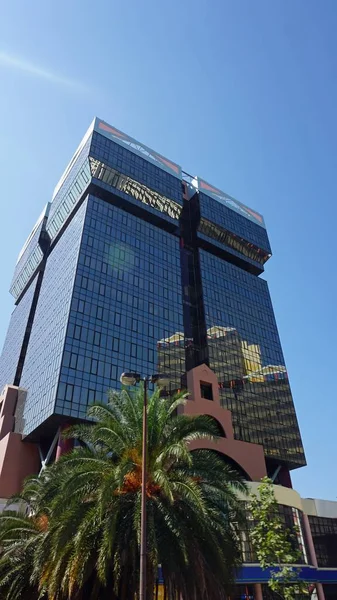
221,215
14,338
324,534
134,189
126,300
292,520
134,166
41,369
245,353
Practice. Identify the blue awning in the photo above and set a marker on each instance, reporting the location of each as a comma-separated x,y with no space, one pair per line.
255,574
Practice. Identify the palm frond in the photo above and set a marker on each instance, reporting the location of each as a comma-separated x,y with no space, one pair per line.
78,533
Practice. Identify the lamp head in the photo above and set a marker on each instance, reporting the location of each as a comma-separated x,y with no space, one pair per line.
129,378
161,379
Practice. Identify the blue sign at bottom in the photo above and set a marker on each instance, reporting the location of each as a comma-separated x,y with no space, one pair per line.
255,574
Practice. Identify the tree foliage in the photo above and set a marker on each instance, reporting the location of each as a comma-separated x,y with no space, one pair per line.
79,535
274,543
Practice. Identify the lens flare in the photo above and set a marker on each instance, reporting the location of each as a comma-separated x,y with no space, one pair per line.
121,257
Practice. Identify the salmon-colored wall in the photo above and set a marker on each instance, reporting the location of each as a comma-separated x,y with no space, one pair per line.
250,457
17,459
64,445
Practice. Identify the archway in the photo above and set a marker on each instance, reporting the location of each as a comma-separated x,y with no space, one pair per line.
229,461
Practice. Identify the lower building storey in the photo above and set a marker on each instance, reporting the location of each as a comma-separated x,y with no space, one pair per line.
261,591
310,574
256,574
314,522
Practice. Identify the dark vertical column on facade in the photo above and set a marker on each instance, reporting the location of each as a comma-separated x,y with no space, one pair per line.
64,445
196,352
46,343
324,532
44,242
25,342
283,478
25,288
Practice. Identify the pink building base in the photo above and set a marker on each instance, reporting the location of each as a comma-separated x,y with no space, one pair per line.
18,459
249,457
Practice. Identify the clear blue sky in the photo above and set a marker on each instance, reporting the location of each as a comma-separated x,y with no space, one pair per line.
240,92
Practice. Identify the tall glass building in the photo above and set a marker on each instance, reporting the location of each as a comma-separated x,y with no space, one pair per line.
135,265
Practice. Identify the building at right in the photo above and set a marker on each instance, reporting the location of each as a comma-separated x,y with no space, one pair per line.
229,319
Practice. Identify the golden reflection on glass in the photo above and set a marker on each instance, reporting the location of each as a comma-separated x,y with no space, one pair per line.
258,395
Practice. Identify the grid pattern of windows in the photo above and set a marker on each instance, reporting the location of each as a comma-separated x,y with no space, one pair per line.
43,359
233,241
68,202
28,270
137,148
324,533
233,256
14,338
228,219
246,355
127,297
135,166
292,520
108,154
268,594
30,257
133,188
111,300
70,178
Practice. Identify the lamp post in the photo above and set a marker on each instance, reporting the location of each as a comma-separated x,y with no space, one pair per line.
132,379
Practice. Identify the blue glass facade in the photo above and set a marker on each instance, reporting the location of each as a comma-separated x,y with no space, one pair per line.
127,296
245,353
91,321
31,256
15,335
136,167
103,160
135,276
70,190
231,221
42,364
241,241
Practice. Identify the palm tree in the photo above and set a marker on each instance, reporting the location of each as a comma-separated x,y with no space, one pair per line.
89,503
21,532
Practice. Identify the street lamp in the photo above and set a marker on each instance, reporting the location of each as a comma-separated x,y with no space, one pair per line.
161,380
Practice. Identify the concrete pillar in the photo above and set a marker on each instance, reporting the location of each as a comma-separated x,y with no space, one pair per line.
18,460
312,552
258,591
63,445
320,591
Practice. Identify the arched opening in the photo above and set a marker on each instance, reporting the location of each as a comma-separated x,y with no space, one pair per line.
235,465
221,432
